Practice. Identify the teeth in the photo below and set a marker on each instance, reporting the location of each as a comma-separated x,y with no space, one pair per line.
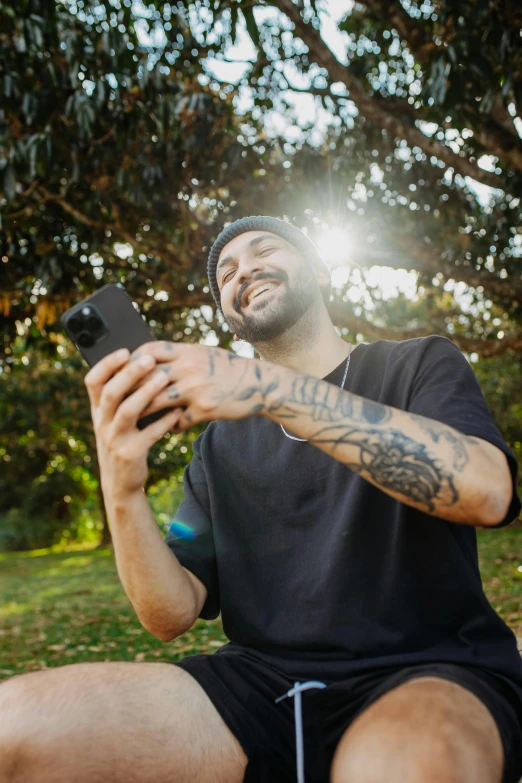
259,290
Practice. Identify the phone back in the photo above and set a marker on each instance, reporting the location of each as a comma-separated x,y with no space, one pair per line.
120,326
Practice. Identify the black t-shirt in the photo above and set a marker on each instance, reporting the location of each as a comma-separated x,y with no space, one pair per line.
317,571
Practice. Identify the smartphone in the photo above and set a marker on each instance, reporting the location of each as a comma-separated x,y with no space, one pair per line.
104,322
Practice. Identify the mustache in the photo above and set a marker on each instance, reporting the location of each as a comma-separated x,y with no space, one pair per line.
258,279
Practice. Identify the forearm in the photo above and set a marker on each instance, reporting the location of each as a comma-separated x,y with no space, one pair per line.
416,460
156,584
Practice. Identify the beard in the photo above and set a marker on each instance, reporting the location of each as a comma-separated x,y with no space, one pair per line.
280,311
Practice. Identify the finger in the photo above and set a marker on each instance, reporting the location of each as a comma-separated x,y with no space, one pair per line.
169,397
102,371
133,407
121,385
162,350
158,429
186,420
165,368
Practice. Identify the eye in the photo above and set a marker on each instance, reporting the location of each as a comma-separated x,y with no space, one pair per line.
231,271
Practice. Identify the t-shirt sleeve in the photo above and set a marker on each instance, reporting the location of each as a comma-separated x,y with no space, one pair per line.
190,535
446,389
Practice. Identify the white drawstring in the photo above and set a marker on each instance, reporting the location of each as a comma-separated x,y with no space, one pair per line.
299,749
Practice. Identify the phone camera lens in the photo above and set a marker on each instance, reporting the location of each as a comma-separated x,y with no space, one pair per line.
75,323
93,323
85,339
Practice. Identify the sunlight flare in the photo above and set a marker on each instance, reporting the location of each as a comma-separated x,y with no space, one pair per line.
335,245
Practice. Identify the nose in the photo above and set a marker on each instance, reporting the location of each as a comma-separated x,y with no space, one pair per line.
247,270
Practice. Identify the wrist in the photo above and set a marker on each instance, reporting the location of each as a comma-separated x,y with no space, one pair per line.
274,381
117,499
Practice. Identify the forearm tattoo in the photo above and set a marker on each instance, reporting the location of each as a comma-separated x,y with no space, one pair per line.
385,454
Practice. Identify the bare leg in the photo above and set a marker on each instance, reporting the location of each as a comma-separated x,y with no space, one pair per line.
112,723
426,730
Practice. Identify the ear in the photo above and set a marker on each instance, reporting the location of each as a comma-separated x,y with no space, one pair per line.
236,337
322,277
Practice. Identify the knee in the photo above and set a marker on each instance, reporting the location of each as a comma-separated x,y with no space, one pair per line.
380,756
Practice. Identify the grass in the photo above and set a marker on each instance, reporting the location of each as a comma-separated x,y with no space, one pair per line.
59,608
67,607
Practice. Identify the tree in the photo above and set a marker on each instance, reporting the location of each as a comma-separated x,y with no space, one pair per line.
102,139
122,154
425,93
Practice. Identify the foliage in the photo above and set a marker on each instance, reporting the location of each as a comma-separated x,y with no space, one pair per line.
500,382
49,465
107,109
122,154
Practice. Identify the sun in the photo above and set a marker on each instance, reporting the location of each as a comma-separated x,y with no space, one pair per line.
335,245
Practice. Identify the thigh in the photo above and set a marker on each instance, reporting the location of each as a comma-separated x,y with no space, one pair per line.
500,700
426,729
132,722
245,691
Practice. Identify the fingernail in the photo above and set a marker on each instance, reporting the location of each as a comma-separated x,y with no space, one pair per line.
123,353
146,361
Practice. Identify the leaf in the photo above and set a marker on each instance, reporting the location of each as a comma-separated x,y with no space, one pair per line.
506,86
52,73
486,103
100,92
32,161
9,183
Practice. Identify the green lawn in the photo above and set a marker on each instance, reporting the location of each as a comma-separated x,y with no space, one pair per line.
66,607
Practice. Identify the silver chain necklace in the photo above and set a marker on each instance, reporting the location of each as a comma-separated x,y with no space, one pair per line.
342,387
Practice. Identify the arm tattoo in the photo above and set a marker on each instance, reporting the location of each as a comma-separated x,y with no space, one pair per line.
387,456
439,432
331,404
394,461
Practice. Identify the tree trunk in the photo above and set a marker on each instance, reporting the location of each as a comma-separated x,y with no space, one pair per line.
106,539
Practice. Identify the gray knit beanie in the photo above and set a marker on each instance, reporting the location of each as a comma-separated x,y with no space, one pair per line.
284,229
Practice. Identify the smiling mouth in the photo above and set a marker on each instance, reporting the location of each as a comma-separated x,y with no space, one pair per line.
261,295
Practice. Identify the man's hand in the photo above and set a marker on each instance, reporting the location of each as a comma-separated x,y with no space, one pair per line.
206,383
116,406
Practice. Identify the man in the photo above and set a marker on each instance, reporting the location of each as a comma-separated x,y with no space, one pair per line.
329,515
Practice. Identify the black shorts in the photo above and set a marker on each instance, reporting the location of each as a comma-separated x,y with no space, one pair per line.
244,689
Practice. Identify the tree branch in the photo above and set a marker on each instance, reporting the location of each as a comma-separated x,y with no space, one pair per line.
169,253
406,252
371,109
417,255
499,142
502,117
408,28
499,136
343,317
491,136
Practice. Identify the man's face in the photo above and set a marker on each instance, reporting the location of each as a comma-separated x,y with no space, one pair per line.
256,258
